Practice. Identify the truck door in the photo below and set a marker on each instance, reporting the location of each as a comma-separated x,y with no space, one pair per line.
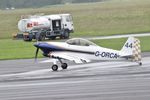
56,25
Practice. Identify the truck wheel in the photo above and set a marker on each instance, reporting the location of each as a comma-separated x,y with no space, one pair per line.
25,38
53,37
30,39
66,34
61,37
41,38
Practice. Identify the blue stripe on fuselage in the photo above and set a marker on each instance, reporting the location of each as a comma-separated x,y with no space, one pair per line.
46,48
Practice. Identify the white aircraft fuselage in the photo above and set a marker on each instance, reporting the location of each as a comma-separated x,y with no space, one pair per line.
81,50
92,52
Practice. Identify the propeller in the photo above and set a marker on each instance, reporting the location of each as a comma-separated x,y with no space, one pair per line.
36,54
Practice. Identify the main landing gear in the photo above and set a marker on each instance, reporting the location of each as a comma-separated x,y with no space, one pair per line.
63,65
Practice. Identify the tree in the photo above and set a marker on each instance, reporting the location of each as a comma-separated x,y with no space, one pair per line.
37,3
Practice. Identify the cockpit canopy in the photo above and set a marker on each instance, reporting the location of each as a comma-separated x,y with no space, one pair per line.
80,42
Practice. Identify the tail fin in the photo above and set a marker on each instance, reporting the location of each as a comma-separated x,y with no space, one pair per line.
132,49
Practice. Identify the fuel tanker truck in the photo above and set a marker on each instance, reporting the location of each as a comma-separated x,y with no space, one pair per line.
47,26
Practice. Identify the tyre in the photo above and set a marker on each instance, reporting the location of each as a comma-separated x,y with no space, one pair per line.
53,37
41,38
27,38
61,37
140,63
30,37
54,67
24,38
64,65
66,34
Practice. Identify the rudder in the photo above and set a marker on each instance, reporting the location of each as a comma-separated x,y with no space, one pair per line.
137,50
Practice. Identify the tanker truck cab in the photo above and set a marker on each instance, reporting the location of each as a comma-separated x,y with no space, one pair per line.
67,22
61,25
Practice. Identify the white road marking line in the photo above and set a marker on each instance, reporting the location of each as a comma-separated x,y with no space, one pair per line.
119,36
41,84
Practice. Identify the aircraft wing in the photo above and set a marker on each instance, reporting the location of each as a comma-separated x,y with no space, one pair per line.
69,56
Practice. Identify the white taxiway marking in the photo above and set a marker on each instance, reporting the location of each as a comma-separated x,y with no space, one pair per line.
119,36
36,72
40,84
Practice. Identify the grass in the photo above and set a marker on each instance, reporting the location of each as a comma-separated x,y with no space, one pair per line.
18,49
90,19
117,44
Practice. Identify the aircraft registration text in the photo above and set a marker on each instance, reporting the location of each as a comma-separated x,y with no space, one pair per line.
106,54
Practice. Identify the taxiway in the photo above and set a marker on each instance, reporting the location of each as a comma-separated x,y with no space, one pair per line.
26,80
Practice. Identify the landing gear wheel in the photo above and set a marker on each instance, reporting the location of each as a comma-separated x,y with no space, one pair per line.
64,65
140,63
54,67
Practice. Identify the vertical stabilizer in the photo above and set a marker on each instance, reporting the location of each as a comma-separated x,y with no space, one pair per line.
128,46
132,49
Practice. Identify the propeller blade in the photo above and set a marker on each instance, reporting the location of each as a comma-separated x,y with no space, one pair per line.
36,54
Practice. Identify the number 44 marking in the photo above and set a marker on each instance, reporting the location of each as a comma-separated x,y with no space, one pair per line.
128,45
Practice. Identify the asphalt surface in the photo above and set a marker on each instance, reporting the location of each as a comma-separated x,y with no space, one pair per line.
26,80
